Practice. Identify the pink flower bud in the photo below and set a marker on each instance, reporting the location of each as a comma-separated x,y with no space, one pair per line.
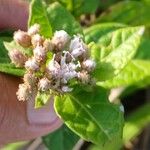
22,38
48,45
23,93
88,64
44,84
84,77
37,40
30,79
32,65
17,57
39,53
60,39
34,29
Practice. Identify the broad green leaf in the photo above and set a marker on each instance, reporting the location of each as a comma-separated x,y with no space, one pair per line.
128,12
64,136
136,122
122,45
38,15
133,73
61,19
42,98
90,115
96,32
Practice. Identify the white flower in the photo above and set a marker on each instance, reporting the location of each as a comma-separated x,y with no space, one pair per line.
60,39
66,89
39,53
32,64
22,38
77,47
44,84
23,92
78,52
76,42
53,68
34,29
37,40
89,64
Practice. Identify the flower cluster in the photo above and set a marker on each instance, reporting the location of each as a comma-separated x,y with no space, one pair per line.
55,63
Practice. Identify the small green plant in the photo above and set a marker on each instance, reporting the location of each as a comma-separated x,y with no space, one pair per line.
77,67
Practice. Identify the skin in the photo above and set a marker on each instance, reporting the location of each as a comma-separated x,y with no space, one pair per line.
19,120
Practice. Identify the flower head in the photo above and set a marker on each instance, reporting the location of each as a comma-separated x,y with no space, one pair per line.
55,64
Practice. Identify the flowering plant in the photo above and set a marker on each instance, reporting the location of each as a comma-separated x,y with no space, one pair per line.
76,68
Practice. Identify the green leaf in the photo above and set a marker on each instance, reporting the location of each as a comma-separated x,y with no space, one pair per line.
96,32
122,45
136,122
128,12
85,6
13,45
64,136
143,50
5,65
41,99
133,73
11,69
38,15
61,19
90,115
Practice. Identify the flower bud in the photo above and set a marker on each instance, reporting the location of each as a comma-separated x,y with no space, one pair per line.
17,57
44,84
60,39
88,64
32,65
39,53
23,93
48,45
30,79
37,40
66,89
84,77
22,38
34,29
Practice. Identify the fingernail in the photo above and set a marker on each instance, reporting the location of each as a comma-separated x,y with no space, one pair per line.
44,115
